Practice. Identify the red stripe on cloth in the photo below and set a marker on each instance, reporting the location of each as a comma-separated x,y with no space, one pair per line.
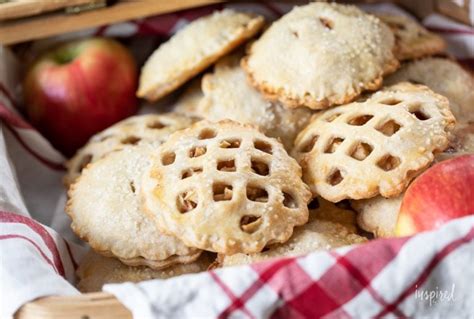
50,164
265,271
313,302
468,64
7,94
344,280
12,118
451,31
41,231
274,9
71,256
100,30
229,294
363,280
448,249
38,248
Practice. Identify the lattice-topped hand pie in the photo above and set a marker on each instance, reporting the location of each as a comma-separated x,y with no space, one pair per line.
225,187
411,39
131,131
104,208
363,149
329,227
193,49
227,95
378,215
321,54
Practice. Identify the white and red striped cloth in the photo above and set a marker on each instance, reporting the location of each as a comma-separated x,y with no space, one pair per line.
430,275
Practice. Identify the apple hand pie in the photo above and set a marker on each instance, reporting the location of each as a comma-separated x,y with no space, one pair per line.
225,187
377,146
105,211
194,48
320,55
131,131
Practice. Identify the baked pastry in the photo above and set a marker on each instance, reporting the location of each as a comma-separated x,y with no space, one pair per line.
225,187
412,40
445,77
323,210
105,211
194,48
131,131
227,95
321,54
96,270
378,215
324,231
372,147
188,101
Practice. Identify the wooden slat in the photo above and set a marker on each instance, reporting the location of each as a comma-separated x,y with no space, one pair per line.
52,24
24,8
98,305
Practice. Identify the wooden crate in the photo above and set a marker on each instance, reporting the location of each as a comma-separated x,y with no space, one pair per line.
104,305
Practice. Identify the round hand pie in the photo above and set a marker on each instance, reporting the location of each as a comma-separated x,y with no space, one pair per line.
96,270
363,149
321,54
378,215
225,187
412,40
188,101
227,95
445,77
329,227
194,48
104,207
131,131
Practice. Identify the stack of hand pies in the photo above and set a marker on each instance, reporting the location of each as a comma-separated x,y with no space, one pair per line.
292,143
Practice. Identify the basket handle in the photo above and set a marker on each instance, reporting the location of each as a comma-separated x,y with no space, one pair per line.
95,305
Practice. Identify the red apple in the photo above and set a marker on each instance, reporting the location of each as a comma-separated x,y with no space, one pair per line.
444,192
79,89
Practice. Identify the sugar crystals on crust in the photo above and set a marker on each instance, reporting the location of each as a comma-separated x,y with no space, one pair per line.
105,211
193,49
225,187
150,128
321,54
412,40
377,146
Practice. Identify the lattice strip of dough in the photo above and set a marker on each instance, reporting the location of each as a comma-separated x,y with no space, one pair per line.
199,209
400,128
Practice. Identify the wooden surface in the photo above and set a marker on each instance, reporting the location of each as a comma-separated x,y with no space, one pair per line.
23,8
97,305
52,24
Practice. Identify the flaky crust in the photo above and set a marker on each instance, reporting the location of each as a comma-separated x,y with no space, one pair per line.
336,52
329,227
193,49
377,146
225,187
188,101
135,130
227,95
412,40
96,270
378,215
104,207
445,77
